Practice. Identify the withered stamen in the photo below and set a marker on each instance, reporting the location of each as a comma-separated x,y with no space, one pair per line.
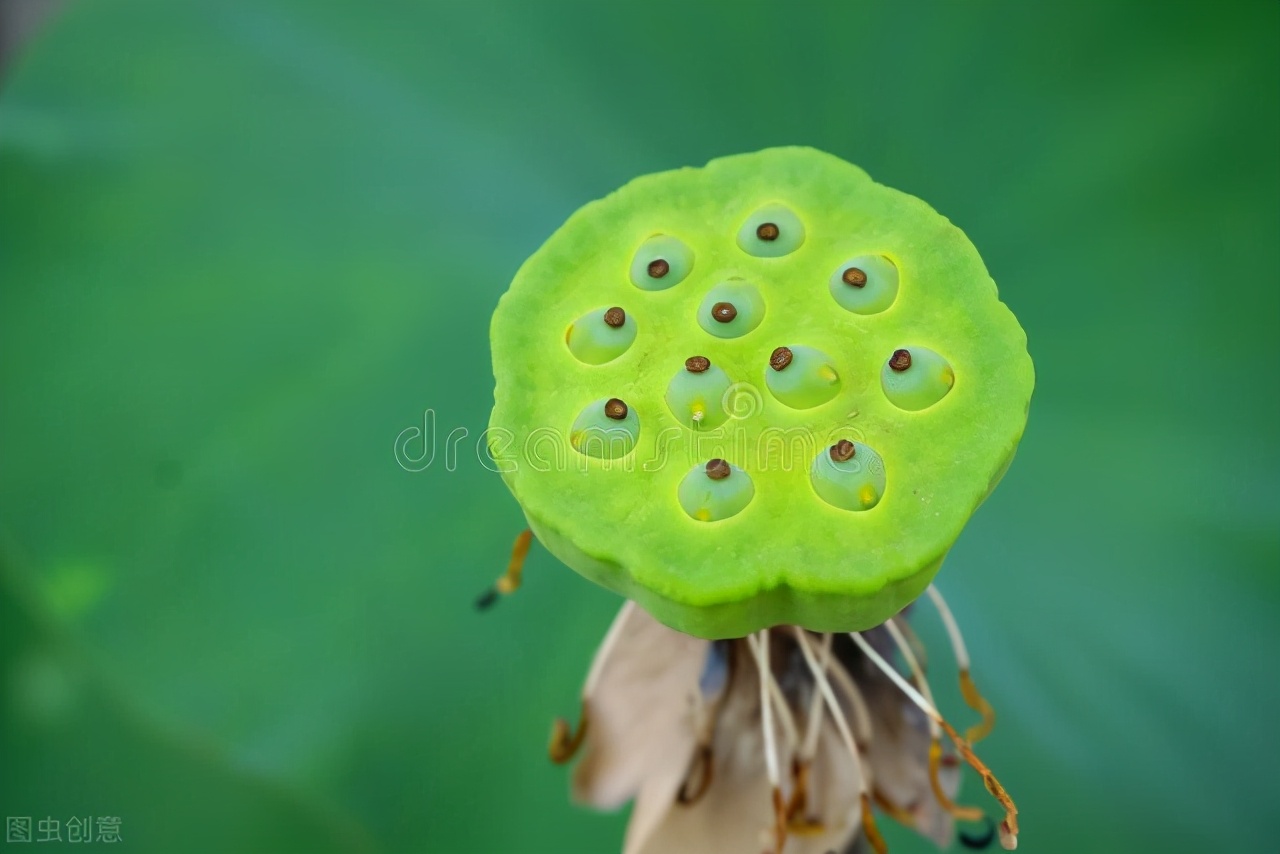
697,364
724,312
780,358
767,231
658,268
843,450
615,409
854,277
900,360
615,317
718,469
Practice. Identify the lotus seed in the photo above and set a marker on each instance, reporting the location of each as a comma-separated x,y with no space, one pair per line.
718,469
659,268
780,358
615,317
843,450
615,409
724,312
854,277
767,231
697,364
900,360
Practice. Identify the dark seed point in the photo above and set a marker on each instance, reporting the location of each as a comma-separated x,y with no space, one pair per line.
854,277
697,364
658,268
615,409
767,231
842,451
724,312
718,469
900,360
615,317
780,358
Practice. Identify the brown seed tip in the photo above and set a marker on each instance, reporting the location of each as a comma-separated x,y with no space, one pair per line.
900,360
615,317
724,312
767,231
615,409
854,277
780,358
842,451
697,364
658,268
718,469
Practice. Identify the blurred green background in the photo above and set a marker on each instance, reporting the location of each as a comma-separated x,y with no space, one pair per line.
244,244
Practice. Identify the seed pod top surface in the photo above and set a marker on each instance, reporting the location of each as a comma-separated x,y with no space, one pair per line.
839,274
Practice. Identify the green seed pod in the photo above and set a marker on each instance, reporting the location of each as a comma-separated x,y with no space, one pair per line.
809,545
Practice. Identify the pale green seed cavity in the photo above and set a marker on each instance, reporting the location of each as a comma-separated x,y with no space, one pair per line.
848,475
731,309
771,232
801,377
696,394
606,429
715,491
916,378
865,284
601,336
661,262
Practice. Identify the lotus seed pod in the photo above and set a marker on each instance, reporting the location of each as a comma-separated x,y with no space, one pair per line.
811,545
601,336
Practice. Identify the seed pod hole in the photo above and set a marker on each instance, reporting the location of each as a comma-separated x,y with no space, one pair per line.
915,378
865,284
606,429
801,377
715,490
771,232
696,394
848,475
601,336
731,309
661,262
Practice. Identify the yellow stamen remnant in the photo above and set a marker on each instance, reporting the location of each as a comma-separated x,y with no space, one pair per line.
869,828
1008,827
968,689
935,732
509,582
565,742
